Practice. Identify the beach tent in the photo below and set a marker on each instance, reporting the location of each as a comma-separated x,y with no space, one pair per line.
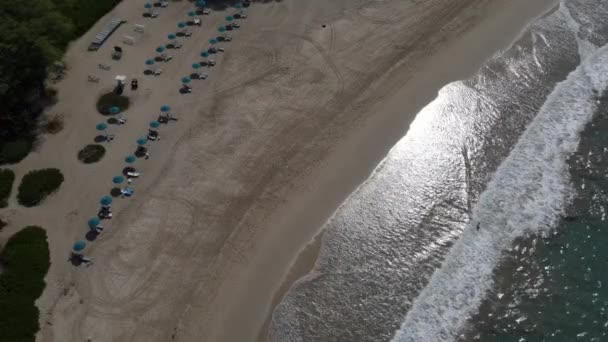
79,246
93,222
115,109
102,126
106,200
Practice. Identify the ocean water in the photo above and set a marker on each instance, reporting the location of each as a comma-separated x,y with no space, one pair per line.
508,151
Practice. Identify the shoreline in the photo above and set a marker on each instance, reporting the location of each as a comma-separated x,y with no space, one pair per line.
536,11
242,271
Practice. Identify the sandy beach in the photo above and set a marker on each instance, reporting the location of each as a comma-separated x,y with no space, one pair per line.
305,102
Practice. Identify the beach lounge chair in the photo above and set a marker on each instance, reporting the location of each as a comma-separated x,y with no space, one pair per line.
220,49
132,174
186,89
167,58
164,4
104,215
154,14
196,21
85,259
206,12
202,76
126,192
158,72
93,79
153,135
210,63
234,25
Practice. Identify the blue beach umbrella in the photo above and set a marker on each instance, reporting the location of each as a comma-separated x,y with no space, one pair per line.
205,54
171,36
118,179
79,246
201,3
160,49
106,200
114,110
181,24
154,124
142,141
130,159
165,108
192,14
238,5
186,80
147,5
196,66
93,222
229,18
149,61
212,41
222,29
102,126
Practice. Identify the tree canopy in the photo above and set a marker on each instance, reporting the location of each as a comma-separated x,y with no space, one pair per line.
33,35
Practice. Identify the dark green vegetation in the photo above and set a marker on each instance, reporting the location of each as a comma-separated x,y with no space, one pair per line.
91,153
7,177
34,35
38,184
112,100
14,151
25,261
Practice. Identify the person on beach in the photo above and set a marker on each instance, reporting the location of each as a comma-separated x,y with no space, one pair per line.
478,225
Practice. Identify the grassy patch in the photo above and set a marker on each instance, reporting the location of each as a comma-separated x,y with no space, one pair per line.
14,151
91,153
25,262
106,101
7,177
38,184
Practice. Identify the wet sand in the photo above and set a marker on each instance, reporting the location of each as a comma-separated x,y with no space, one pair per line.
292,119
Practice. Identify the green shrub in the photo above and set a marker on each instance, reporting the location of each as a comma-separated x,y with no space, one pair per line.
14,151
110,100
91,153
38,184
25,262
7,177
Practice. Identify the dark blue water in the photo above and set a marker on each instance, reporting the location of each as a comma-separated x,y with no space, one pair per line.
555,288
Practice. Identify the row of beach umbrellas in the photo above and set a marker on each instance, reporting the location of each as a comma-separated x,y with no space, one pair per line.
94,222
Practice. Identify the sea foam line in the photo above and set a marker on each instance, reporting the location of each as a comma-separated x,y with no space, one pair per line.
527,194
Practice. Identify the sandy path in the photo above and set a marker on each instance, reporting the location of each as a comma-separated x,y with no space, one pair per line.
291,119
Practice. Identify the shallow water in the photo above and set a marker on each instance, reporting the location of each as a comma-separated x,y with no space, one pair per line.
491,150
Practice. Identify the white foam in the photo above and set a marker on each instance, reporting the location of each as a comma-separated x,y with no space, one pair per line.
527,194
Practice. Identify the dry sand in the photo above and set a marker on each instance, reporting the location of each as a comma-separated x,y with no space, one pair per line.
290,121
